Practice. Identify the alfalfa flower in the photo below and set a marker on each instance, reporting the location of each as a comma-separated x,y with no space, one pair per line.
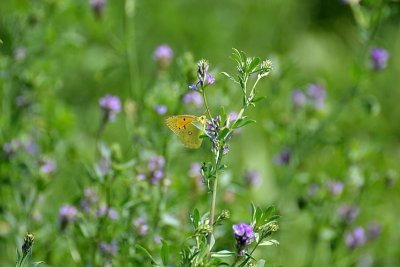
67,214
244,235
379,58
193,98
141,228
98,7
317,93
163,55
110,105
355,238
109,249
204,77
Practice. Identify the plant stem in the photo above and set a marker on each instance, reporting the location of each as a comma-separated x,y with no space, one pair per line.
206,104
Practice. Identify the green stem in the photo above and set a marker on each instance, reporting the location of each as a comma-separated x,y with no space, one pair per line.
206,103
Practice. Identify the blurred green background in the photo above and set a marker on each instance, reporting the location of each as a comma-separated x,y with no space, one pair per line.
74,57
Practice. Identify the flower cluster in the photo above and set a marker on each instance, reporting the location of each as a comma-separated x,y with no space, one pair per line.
105,211
110,105
379,58
163,56
140,226
204,78
97,6
89,199
48,166
252,178
355,238
244,235
193,98
67,214
110,249
213,129
316,95
335,187
348,213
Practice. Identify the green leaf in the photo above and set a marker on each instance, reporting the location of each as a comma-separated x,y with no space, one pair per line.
253,65
242,122
37,263
257,99
268,213
198,125
236,56
222,254
258,214
164,252
142,249
223,134
269,242
195,217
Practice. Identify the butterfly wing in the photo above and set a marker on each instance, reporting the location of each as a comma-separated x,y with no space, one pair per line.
182,126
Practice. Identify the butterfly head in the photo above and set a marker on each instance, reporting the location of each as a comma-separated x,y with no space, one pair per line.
202,119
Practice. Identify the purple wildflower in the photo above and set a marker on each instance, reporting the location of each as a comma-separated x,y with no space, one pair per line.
204,78
141,227
103,211
67,214
298,98
160,109
252,178
97,6
110,105
374,230
48,166
379,58
140,176
163,55
317,94
156,169
213,129
283,158
31,147
193,98
109,249
348,213
89,199
244,235
356,238
335,187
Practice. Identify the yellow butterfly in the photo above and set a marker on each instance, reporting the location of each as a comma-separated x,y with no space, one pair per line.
187,132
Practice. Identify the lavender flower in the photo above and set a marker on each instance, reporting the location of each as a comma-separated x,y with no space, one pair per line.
67,214
244,235
374,231
109,250
103,211
283,158
348,213
31,147
317,94
252,178
48,166
141,227
298,98
379,58
355,238
213,129
193,98
160,109
89,199
156,169
110,105
313,189
335,187
163,55
97,6
204,78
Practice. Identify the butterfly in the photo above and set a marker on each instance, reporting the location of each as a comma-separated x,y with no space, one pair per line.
187,132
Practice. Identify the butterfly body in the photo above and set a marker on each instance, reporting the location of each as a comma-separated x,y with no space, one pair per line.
183,127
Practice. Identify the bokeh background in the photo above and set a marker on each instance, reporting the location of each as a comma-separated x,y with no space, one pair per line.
62,57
